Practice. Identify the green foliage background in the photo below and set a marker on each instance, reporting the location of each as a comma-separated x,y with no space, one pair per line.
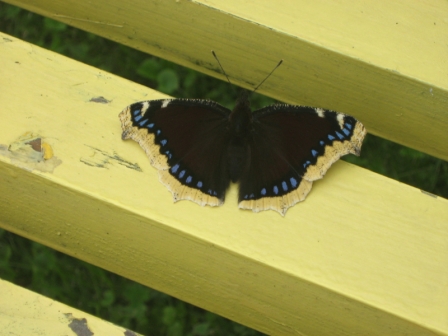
112,297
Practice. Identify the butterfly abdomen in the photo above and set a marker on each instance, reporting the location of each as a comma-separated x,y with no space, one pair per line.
238,154
238,150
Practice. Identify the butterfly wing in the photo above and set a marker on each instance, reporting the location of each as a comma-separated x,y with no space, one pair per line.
291,146
184,139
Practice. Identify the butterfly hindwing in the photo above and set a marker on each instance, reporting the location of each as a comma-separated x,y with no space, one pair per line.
184,139
294,145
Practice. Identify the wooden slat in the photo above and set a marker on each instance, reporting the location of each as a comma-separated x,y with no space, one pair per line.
384,62
363,255
23,312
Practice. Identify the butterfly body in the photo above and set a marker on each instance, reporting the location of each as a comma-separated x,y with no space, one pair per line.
274,153
238,149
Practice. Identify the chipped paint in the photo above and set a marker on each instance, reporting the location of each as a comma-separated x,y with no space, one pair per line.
100,100
101,159
79,326
30,151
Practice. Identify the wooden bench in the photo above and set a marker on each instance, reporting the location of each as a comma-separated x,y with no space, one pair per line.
363,255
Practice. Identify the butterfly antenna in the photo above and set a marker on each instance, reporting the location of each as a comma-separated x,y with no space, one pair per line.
222,69
269,75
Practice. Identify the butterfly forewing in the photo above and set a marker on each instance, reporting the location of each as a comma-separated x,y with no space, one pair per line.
184,139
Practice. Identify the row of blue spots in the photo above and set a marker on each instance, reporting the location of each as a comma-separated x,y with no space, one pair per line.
214,193
346,130
189,178
163,142
293,185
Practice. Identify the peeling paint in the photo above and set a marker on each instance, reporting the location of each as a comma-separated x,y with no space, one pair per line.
101,159
100,100
79,326
30,151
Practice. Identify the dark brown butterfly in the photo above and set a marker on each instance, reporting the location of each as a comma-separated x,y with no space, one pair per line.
274,153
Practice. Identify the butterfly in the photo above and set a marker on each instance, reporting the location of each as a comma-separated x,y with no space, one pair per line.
275,153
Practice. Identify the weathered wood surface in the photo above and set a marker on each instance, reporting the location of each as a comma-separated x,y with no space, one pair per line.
363,254
384,62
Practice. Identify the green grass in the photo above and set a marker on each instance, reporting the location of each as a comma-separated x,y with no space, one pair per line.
108,295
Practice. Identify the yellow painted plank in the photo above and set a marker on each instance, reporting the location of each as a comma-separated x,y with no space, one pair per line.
384,62
363,255
23,312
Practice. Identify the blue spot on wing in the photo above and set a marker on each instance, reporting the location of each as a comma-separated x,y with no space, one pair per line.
275,189
136,112
163,142
142,123
199,184
346,131
314,153
181,174
174,168
330,137
138,117
151,125
349,126
158,132
293,182
188,180
322,143
339,135
263,191
284,186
